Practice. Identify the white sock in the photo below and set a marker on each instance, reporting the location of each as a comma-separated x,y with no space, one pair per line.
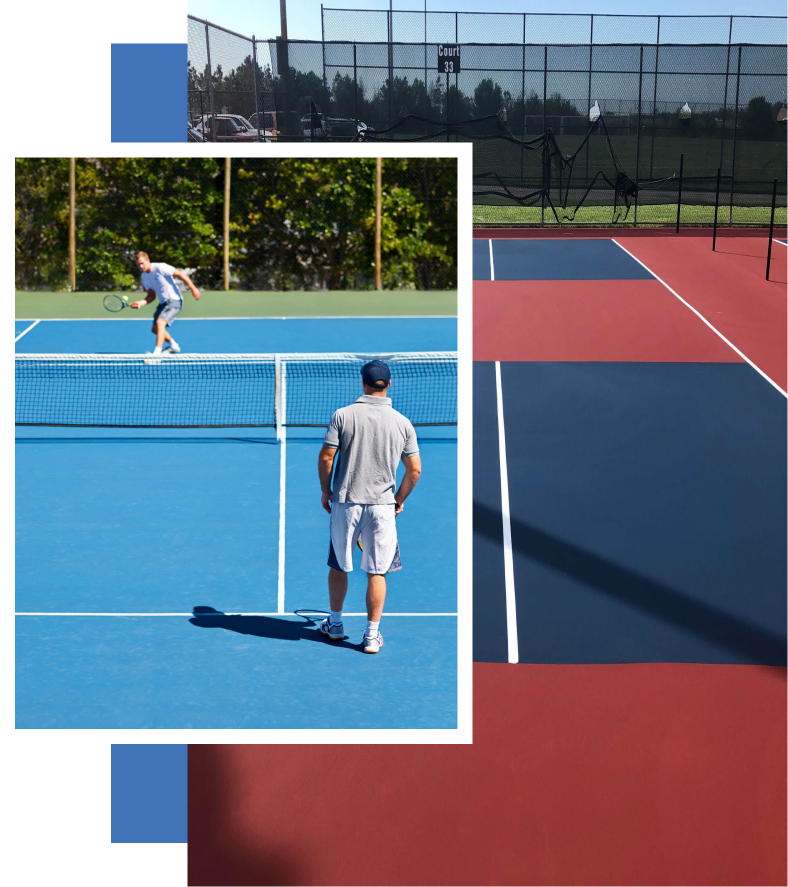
173,343
336,617
157,350
372,629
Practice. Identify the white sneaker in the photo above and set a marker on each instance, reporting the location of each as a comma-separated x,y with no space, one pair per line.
174,347
372,644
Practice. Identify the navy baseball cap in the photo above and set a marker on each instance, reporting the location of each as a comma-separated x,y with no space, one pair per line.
375,371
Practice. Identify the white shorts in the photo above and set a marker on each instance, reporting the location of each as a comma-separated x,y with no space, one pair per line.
375,525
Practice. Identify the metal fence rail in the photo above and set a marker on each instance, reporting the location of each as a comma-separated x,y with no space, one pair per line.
416,26
735,93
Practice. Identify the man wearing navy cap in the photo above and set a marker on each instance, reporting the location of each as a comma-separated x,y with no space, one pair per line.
364,444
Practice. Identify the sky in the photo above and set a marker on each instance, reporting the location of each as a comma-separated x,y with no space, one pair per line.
261,17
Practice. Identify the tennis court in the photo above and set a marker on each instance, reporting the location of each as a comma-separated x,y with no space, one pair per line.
638,400
159,569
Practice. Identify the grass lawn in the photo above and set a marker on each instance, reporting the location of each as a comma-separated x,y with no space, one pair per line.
664,214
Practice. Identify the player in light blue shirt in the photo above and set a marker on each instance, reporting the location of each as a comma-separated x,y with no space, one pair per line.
158,279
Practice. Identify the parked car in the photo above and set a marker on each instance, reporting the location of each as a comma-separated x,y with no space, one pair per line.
193,135
332,127
321,130
226,128
345,127
276,123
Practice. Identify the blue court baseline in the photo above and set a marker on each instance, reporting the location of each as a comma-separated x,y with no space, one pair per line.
245,336
560,259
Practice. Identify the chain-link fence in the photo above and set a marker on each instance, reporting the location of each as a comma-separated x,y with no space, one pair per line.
720,105
294,224
427,26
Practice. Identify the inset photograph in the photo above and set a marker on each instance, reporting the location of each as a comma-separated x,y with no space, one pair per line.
236,411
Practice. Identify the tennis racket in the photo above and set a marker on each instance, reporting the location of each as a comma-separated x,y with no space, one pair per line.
360,546
115,303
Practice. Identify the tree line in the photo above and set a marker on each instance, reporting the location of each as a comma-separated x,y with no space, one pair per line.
382,105
294,223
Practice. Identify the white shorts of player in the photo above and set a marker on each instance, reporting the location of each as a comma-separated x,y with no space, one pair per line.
375,525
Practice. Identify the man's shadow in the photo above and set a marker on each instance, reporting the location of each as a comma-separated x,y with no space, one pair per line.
268,627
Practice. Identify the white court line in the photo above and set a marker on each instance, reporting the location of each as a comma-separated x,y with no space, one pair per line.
316,317
783,242
708,324
492,267
25,332
222,614
508,560
282,476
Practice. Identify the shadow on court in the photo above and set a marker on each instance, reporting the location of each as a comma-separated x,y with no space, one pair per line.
743,639
267,627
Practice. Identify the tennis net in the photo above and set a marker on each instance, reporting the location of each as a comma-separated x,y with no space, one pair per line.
218,390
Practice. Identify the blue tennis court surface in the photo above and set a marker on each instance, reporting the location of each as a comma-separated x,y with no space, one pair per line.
157,574
243,336
558,259
152,522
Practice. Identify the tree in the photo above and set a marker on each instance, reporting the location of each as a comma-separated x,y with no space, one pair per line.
487,98
759,120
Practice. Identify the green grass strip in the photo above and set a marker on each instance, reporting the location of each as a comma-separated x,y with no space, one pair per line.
664,214
243,304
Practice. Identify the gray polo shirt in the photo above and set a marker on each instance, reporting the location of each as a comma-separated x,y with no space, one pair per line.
371,437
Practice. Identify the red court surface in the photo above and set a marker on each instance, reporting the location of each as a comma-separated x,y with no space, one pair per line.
624,320
728,287
604,774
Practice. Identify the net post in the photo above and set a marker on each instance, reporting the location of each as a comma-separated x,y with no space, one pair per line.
678,205
771,229
716,205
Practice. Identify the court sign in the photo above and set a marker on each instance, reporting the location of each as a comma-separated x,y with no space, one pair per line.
448,58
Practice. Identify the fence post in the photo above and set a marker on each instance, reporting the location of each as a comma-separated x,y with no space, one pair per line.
426,82
256,97
391,63
522,147
735,125
588,103
323,46
678,205
210,83
637,143
716,205
456,40
654,105
725,105
545,153
355,87
448,116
